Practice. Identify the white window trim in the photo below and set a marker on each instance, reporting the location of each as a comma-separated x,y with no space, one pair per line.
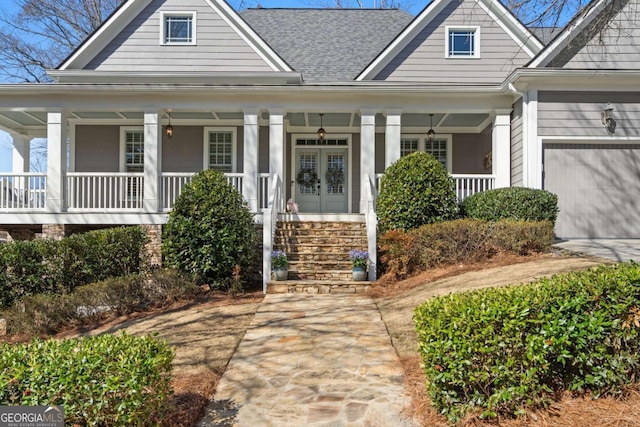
234,145
194,20
422,144
123,143
476,41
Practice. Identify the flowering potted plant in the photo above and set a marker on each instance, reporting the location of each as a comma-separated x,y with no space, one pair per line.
359,260
280,264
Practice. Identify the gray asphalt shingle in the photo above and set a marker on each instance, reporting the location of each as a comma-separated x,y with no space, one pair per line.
327,44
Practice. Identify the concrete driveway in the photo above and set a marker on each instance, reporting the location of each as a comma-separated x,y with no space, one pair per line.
613,249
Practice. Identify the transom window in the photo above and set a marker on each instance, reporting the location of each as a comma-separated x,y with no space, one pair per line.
178,28
220,149
463,42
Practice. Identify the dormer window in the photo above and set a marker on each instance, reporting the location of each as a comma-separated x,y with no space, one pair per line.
178,28
462,42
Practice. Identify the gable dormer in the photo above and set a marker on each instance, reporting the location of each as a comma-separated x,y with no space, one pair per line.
174,36
456,42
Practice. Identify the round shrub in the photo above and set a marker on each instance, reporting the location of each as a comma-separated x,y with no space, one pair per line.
414,191
210,231
517,203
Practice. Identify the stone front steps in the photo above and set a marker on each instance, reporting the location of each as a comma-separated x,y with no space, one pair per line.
318,254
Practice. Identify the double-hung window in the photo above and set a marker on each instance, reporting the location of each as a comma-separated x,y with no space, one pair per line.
462,42
220,149
178,28
132,161
440,147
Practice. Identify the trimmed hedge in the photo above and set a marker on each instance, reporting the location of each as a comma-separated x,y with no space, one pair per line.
48,266
101,381
50,313
463,240
414,191
503,350
211,233
517,203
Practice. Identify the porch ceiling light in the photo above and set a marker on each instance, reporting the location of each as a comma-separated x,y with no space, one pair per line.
321,132
431,133
169,128
608,120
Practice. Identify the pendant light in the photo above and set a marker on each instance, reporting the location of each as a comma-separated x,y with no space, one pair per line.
321,132
431,133
169,128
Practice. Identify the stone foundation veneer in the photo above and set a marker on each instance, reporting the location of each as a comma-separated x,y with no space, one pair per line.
154,246
53,231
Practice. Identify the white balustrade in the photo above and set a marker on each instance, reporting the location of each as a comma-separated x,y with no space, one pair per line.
465,184
22,190
263,191
102,191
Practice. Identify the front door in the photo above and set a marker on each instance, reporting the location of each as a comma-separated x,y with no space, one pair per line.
321,179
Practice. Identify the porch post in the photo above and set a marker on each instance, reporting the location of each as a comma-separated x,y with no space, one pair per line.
56,160
392,138
367,154
501,148
250,164
21,153
152,181
276,147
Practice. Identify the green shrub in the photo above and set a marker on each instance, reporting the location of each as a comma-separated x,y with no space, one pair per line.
464,240
414,191
210,231
503,350
50,313
47,266
101,381
516,203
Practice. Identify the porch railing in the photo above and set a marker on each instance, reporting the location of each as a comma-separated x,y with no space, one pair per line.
275,205
104,191
465,184
22,190
371,221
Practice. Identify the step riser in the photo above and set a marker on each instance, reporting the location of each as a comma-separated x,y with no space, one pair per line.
332,241
302,257
320,275
284,288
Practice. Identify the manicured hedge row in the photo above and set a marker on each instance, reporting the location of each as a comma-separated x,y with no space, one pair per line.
464,240
46,266
503,350
517,203
101,381
50,313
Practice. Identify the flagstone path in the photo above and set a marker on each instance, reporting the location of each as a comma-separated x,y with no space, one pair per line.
312,360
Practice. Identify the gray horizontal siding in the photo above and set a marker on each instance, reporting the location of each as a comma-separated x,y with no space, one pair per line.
517,129
218,49
606,43
578,113
423,59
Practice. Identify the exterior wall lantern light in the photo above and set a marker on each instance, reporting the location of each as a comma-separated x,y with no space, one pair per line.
607,119
321,132
169,129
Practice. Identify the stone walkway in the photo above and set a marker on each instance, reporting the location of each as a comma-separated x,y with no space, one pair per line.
312,360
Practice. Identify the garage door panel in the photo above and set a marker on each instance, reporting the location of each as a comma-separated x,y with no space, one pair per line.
598,188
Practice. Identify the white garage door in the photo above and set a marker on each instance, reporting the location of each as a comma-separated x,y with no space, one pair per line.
598,188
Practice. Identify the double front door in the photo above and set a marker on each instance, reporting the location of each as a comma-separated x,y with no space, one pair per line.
320,179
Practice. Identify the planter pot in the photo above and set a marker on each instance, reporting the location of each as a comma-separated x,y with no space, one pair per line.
359,274
281,273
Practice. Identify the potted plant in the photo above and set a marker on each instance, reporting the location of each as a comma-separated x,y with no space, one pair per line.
279,264
359,260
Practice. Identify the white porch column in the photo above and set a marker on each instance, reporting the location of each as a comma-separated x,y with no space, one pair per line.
392,138
21,153
250,164
276,147
367,154
56,160
152,195
501,148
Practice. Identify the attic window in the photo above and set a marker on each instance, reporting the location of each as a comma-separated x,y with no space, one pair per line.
178,28
462,42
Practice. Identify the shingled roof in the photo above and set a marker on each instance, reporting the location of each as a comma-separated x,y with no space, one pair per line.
327,44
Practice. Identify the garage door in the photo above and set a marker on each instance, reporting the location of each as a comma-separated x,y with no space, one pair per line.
598,188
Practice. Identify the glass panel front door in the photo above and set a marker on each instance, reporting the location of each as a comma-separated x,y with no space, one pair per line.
321,179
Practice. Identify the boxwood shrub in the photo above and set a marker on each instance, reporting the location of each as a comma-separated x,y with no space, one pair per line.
463,240
516,203
101,381
503,350
47,266
414,191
